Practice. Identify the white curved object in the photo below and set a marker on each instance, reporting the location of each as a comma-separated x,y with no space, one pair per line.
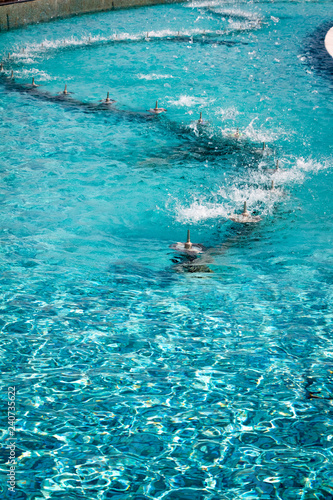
329,42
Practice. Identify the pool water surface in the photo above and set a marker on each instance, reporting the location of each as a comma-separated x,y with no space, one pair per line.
143,373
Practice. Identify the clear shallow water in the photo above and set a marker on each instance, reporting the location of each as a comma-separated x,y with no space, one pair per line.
140,374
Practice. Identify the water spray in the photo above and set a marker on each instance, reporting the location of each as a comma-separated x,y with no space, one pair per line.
237,134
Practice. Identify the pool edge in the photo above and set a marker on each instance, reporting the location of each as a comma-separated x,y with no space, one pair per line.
19,14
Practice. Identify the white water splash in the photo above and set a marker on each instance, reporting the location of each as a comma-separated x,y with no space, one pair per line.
237,13
188,101
32,51
231,201
154,76
204,3
173,33
33,72
258,135
238,20
254,187
227,114
243,25
200,210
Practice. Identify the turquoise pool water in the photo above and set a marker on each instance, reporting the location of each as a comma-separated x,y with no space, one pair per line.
141,373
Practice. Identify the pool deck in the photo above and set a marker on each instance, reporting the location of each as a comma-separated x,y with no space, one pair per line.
329,42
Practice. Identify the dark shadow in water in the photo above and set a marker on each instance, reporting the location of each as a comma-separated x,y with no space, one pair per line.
198,143
69,102
315,50
235,235
204,147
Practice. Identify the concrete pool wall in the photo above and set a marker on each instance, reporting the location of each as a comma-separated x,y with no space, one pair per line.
16,14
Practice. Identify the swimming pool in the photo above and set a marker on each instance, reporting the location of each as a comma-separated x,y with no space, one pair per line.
141,373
